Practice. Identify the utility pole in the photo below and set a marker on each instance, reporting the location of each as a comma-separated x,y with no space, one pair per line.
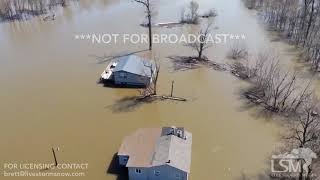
55,158
172,88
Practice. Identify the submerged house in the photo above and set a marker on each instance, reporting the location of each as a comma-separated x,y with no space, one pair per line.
129,71
157,154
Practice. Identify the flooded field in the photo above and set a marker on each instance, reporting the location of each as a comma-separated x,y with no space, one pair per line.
49,96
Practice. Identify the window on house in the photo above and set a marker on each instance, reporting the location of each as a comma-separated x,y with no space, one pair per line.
138,171
178,176
157,173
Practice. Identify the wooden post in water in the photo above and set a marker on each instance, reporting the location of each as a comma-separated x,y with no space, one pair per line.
55,158
172,88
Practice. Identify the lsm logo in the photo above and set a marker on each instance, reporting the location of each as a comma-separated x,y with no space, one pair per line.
293,164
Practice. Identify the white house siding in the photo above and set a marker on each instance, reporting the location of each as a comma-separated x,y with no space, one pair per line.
164,172
130,79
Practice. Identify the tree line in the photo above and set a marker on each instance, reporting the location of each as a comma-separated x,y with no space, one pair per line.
298,20
281,92
11,10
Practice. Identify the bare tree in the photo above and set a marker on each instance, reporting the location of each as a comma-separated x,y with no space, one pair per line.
147,5
149,93
306,131
8,12
302,97
274,88
244,69
191,16
202,43
311,16
238,51
194,7
151,89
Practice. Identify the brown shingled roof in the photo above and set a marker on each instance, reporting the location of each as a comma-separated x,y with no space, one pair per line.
150,147
140,146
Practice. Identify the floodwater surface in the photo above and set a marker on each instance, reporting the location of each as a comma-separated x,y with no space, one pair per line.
49,96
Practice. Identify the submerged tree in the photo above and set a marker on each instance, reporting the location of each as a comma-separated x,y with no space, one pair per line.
298,20
272,87
238,51
150,93
21,9
194,7
306,131
202,43
154,68
191,16
148,11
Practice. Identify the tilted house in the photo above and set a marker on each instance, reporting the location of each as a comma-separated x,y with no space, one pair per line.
133,71
157,154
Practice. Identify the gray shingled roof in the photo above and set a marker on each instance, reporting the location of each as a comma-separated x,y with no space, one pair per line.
135,65
173,151
149,147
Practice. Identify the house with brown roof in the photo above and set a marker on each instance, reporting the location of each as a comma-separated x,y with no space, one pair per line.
157,154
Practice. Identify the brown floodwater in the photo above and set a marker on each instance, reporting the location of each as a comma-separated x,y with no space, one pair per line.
49,96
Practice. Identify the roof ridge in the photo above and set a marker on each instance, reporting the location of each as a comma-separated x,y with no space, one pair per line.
170,149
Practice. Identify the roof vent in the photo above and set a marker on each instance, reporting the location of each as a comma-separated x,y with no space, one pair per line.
178,132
